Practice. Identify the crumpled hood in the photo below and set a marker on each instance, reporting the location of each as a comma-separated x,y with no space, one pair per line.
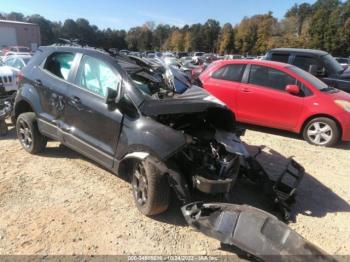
193,100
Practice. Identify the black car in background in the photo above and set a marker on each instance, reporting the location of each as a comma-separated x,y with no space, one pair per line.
319,63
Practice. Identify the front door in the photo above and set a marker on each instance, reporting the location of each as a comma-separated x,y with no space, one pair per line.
264,101
91,126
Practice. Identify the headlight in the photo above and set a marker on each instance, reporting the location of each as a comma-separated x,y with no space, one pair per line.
343,104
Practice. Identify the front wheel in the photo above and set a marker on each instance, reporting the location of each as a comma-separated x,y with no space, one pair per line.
150,188
28,133
321,131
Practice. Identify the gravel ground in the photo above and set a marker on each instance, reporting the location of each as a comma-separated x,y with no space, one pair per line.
61,203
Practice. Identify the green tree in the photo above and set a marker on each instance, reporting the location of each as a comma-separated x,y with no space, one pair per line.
226,39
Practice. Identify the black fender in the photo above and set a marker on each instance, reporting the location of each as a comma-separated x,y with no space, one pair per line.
144,134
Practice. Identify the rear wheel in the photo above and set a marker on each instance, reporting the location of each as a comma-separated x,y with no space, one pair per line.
28,133
321,131
150,189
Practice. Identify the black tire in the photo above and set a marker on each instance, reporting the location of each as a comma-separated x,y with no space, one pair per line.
311,133
3,128
156,198
28,133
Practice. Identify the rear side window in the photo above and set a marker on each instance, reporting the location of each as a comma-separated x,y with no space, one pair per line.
280,58
231,72
18,63
96,76
59,64
269,77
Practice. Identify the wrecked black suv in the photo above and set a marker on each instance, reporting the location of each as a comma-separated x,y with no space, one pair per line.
158,139
83,98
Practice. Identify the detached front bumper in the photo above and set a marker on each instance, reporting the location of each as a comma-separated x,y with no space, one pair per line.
251,230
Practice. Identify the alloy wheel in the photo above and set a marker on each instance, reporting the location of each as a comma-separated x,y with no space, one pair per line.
25,134
320,133
140,185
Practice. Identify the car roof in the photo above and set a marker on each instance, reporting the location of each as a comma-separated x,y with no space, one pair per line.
72,48
253,61
299,50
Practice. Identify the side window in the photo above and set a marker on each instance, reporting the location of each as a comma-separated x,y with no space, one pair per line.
231,72
304,62
59,64
96,76
280,58
18,63
269,77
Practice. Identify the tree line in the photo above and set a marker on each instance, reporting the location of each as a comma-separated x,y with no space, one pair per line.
323,25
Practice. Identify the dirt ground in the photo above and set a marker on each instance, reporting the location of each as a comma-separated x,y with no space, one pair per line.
61,203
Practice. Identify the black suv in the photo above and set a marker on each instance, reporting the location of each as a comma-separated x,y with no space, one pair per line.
158,139
83,98
316,62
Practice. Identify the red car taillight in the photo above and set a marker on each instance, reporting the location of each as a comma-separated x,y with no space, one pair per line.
19,78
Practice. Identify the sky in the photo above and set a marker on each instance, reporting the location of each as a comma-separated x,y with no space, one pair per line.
124,14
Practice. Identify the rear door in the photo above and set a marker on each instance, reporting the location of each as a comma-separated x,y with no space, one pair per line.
52,84
262,99
224,83
90,125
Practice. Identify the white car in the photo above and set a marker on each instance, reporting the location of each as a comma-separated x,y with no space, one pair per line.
9,69
7,80
196,56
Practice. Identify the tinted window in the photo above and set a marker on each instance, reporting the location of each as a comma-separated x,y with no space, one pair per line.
332,65
314,81
59,64
304,62
280,58
232,72
96,76
269,77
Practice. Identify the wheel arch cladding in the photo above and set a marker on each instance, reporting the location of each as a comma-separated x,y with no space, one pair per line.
27,99
22,107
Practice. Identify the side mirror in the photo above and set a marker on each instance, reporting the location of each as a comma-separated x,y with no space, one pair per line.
313,70
111,96
293,89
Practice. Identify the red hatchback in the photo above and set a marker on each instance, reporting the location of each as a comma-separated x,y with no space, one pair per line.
281,96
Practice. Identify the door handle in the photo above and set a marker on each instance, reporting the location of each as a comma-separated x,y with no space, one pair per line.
246,90
38,83
76,102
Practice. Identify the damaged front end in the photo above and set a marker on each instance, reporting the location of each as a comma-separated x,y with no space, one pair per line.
214,156
211,160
